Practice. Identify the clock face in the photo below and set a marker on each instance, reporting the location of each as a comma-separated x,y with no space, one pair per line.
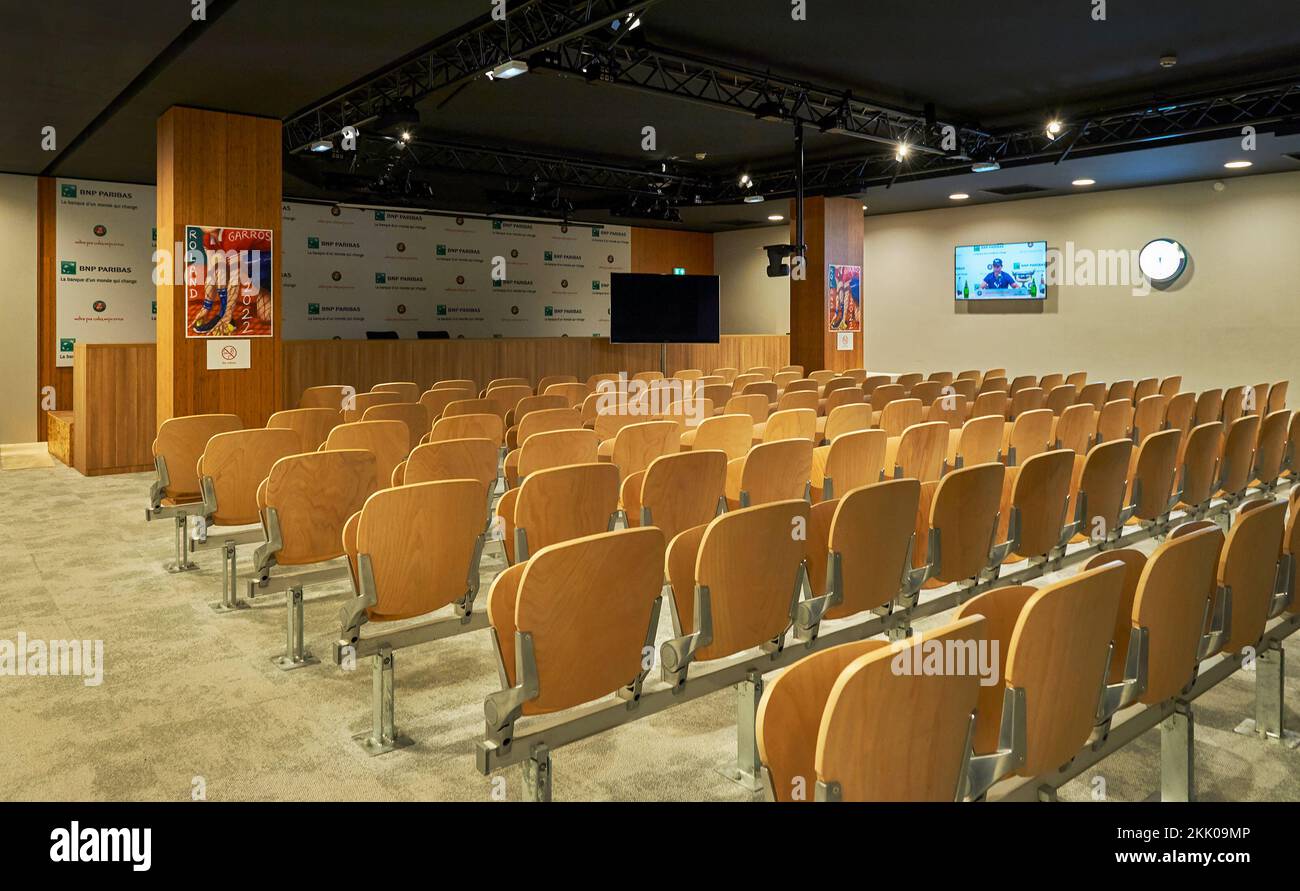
1162,260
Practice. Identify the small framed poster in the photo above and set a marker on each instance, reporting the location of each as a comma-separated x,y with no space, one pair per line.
229,282
844,298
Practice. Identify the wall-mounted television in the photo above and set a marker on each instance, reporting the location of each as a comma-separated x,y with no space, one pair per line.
1010,271
649,308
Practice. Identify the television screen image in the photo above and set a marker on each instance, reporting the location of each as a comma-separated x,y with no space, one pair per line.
1010,271
650,308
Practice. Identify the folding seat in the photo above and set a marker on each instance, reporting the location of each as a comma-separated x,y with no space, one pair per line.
1292,447
718,394
1059,398
966,388
690,374
771,471
1121,390
1021,382
1199,462
676,492
175,492
944,378
407,390
839,382
972,374
648,376
230,470
477,406
1049,382
471,426
557,504
898,415
822,376
542,420
388,440
1251,567
951,409
728,375
453,459
960,522
1026,399
595,381
799,399
1052,644
926,391
1092,394
852,459
1180,413
790,423
857,375
362,401
784,379
1149,416
732,434
1077,379
636,445
305,502
994,373
1256,399
1209,406
919,453
494,383
994,385
1076,428
552,448
850,397
331,396
1237,468
741,381
1152,477
991,403
735,585
435,401
1276,397
508,396
1170,386
1148,386
766,372
1099,489
885,394
846,722
1271,449
457,383
411,415
415,550
311,424
1028,435
562,641
753,404
1115,421
910,379
552,380
978,442
1234,404
766,389
573,393
872,381
1035,507
534,403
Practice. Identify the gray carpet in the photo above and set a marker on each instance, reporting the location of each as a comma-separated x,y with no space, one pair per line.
191,697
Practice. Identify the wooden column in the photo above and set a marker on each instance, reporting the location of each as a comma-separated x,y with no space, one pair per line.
833,233
216,169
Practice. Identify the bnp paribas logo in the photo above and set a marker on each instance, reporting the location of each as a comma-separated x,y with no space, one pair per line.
313,309
67,267
66,343
442,309
548,311
496,224
381,278
549,256
379,215
441,250
68,190
595,285
595,232
496,282
312,242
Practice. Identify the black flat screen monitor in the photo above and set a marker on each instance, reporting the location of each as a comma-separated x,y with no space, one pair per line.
650,308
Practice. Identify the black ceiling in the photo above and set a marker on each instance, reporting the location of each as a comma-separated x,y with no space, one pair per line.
1013,62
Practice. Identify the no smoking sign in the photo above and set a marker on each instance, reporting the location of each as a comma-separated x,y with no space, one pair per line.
225,354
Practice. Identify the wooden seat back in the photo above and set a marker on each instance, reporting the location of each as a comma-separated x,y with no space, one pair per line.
681,490
1115,420
1076,428
965,511
408,391
563,503
871,531
775,471
388,440
1271,448
435,401
791,423
1248,565
573,393
636,445
454,459
920,452
355,408
1149,416
329,396
847,417
557,448
313,495
851,460
550,380
312,425
1030,434
469,426
1238,465
180,442
992,403
1200,463
980,440
237,462
733,434
1041,494
1059,398
412,415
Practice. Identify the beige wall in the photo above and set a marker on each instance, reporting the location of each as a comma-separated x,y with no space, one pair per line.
17,308
1233,318
752,303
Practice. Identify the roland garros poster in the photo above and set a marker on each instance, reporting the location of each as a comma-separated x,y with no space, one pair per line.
844,298
228,282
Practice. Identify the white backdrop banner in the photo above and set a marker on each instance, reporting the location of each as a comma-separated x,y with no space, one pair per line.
104,235
346,271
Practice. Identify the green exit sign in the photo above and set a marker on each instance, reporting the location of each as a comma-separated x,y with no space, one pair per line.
679,270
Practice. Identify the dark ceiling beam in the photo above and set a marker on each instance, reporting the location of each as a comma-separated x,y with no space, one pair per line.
454,59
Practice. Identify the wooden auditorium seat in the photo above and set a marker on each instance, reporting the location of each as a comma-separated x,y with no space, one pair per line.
851,460
676,492
312,425
388,441
407,390
771,471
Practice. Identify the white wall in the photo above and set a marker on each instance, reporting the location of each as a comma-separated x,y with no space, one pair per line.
1233,318
17,308
752,303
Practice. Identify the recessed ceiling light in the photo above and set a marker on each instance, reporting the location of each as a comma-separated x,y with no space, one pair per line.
958,196
1237,165
775,217
1084,182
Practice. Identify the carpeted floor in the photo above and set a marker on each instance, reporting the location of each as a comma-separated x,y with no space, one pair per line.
192,698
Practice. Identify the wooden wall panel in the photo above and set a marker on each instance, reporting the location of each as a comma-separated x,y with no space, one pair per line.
216,169
364,363
833,233
113,421
47,277
662,250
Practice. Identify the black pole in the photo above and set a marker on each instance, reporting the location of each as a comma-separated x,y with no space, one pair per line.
798,187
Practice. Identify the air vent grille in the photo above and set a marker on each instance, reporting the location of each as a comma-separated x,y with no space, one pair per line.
1023,189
